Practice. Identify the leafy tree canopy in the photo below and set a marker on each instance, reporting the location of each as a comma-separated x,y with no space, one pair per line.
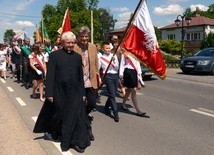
8,36
80,15
209,13
208,41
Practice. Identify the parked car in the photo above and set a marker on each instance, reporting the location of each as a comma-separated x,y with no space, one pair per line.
146,73
201,62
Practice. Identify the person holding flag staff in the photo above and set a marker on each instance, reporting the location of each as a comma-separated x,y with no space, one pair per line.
111,79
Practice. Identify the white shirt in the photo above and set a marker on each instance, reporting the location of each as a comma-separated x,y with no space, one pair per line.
39,57
125,64
46,56
113,68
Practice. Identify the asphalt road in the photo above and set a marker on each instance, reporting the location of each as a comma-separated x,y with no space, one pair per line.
181,119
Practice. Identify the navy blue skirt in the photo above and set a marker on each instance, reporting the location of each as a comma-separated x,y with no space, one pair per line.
130,78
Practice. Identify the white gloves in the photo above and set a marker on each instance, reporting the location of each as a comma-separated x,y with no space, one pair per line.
39,72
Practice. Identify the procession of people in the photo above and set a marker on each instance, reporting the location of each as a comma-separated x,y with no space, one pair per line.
72,75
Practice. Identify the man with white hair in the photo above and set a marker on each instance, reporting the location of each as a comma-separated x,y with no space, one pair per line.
65,92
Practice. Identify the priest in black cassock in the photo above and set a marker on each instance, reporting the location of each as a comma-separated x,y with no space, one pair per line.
63,113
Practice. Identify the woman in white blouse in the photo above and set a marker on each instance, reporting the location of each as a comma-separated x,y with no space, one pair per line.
130,72
38,71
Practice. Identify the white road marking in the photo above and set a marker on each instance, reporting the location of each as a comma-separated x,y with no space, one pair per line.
139,93
21,102
34,118
57,145
202,112
59,148
10,89
3,81
206,110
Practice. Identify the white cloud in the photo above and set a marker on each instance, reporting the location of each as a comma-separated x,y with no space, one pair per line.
173,9
121,9
122,19
24,23
175,1
200,6
120,24
23,6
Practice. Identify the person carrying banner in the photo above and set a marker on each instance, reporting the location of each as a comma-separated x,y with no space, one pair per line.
38,66
111,79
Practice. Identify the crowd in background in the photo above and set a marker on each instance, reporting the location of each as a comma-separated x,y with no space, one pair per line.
25,61
101,64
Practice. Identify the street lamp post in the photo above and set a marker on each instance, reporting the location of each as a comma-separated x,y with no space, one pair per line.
177,22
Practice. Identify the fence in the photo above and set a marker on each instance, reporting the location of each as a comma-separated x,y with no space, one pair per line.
173,63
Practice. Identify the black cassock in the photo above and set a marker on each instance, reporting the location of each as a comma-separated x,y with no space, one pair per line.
67,113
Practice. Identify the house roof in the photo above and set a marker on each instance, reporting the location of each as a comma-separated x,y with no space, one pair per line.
119,30
196,20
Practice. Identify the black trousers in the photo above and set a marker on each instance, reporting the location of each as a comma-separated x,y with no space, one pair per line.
18,72
91,99
26,72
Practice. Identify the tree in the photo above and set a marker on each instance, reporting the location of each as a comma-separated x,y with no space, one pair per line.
107,23
157,32
170,46
208,41
8,36
51,21
80,16
92,4
209,13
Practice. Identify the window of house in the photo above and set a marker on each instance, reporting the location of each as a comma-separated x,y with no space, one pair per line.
193,36
171,36
188,37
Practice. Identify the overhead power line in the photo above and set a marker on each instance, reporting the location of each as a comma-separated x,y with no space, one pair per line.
8,14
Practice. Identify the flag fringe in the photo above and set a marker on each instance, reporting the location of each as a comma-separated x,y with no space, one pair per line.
156,73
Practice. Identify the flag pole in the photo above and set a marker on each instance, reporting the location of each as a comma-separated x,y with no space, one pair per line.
123,37
42,29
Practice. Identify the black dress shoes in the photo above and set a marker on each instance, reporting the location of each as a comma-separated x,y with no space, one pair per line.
78,149
142,115
116,117
107,111
90,117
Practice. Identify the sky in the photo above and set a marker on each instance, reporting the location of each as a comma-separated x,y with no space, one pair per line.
28,12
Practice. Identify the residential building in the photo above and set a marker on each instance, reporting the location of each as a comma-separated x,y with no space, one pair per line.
194,33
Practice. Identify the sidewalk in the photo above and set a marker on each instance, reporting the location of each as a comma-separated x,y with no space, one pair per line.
16,138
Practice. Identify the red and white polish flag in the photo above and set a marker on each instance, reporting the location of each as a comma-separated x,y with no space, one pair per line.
141,42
